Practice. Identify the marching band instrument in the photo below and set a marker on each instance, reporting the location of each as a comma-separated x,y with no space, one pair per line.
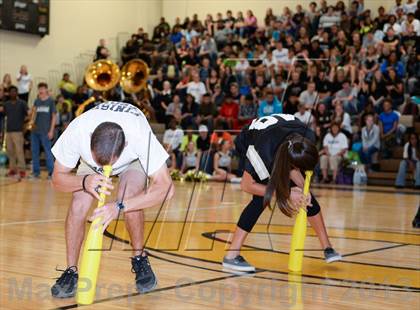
104,75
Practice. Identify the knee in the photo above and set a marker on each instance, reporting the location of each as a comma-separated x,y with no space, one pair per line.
80,206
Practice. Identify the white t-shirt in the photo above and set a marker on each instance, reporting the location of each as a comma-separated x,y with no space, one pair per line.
24,83
268,63
282,55
335,144
410,7
173,137
307,98
197,90
304,118
416,26
74,143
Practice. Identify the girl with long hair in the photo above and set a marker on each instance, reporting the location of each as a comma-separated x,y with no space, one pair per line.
278,148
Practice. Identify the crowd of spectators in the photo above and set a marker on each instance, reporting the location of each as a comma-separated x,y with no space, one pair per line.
345,71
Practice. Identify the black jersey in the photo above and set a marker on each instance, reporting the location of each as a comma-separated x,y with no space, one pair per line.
259,142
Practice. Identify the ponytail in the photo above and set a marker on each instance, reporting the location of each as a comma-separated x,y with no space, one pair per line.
279,182
295,153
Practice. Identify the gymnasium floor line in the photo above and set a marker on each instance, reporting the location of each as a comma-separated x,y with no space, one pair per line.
233,275
250,248
254,275
280,272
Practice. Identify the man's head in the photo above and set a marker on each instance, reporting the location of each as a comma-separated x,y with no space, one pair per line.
269,95
172,124
203,131
66,77
302,108
13,91
387,105
107,143
335,129
346,85
311,87
234,89
206,99
43,89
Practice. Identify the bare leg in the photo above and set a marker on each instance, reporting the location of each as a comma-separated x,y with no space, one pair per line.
220,176
237,241
76,224
325,174
132,183
317,223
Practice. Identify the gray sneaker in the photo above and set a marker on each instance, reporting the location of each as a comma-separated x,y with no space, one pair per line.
145,278
331,255
238,264
66,284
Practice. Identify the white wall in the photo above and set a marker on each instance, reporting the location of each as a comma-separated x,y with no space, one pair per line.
75,27
182,8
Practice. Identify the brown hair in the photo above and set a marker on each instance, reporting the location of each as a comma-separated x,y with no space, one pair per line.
296,152
107,142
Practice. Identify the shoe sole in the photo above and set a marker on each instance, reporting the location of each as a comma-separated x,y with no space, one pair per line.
238,268
143,290
333,259
63,295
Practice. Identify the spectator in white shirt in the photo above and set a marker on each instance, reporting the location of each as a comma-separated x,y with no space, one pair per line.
413,22
269,61
309,96
410,7
173,136
398,5
24,84
329,19
335,146
196,88
280,54
393,23
304,115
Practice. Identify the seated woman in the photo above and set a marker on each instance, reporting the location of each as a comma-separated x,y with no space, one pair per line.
222,164
411,161
335,146
343,119
190,158
371,141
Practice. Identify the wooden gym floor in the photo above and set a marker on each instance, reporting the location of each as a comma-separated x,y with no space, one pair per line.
186,238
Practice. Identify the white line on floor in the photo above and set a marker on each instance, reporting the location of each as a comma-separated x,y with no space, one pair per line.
153,212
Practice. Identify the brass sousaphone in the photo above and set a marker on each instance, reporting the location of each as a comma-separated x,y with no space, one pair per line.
102,76
134,76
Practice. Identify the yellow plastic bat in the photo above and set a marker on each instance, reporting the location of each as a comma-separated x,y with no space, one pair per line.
299,232
91,257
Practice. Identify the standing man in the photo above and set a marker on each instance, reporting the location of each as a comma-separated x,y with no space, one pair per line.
16,111
24,80
117,134
43,131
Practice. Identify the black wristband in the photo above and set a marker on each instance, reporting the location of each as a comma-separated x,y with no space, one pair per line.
83,182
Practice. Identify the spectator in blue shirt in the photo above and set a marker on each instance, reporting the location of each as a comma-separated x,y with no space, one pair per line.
271,105
392,61
388,124
176,35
